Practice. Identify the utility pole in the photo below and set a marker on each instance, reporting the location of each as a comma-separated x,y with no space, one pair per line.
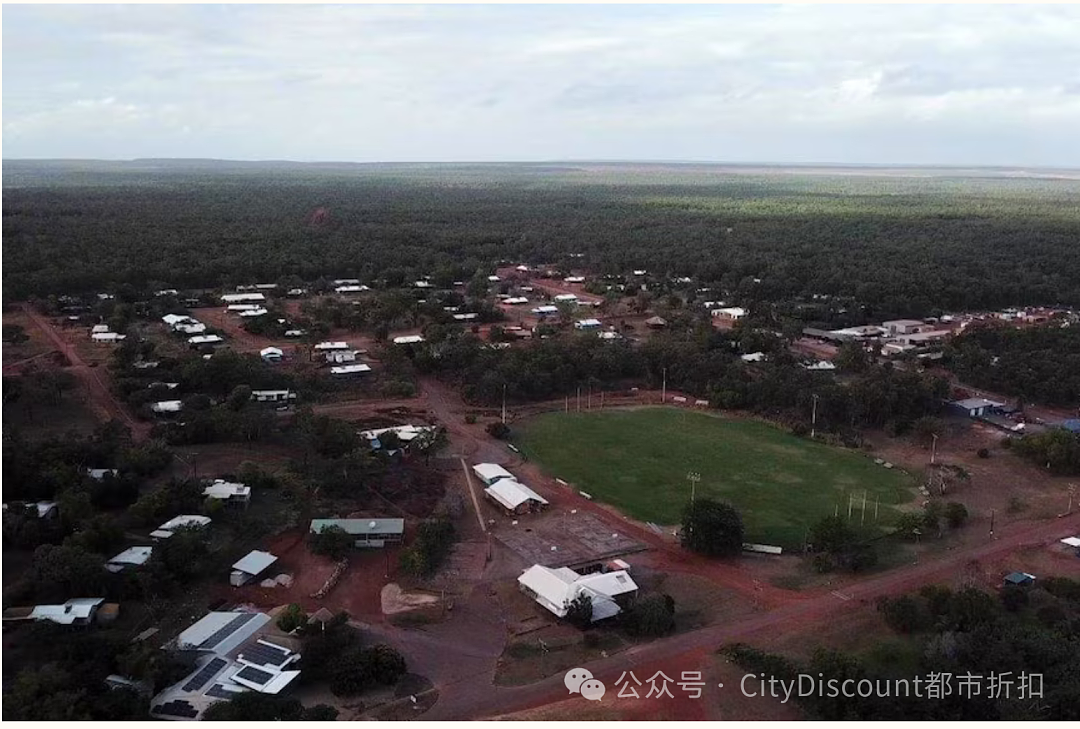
693,477
813,418
567,403
588,401
992,523
849,498
663,388
504,405
1072,495
933,449
579,398
862,520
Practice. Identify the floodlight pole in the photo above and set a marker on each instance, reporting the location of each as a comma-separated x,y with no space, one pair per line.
693,477
504,405
933,449
813,419
663,388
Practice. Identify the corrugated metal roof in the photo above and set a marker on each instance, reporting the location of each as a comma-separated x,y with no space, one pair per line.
361,526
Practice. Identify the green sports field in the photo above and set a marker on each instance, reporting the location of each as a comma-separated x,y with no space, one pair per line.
637,460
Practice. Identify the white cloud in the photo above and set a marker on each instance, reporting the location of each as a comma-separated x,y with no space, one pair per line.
502,82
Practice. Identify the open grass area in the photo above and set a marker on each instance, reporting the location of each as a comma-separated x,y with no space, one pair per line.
638,460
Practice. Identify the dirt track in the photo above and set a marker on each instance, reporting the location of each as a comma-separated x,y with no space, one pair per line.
101,400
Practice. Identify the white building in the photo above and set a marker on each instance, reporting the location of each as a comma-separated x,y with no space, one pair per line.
233,654
341,356
108,337
271,354
555,589
132,557
350,370
166,406
753,357
368,532
409,339
489,473
273,395
202,340
243,298
252,313
546,309
184,521
250,566
225,491
514,496
565,298
730,312
331,346
77,611
585,324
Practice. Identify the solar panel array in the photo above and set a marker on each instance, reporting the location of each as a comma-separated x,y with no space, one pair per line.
204,675
178,707
218,692
228,629
248,673
264,655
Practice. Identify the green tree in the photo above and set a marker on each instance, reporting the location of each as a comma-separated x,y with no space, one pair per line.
292,618
831,534
332,541
956,514
579,611
650,617
712,528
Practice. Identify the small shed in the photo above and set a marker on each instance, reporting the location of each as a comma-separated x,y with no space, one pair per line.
250,567
1020,579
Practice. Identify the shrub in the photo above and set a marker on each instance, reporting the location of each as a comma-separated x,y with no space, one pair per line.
291,618
650,617
956,514
713,528
902,614
498,429
470,419
580,611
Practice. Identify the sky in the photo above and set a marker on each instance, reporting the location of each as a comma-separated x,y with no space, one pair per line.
797,84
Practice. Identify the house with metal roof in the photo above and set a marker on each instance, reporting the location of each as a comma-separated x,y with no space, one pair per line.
368,532
1020,579
228,492
350,370
166,406
271,354
489,473
131,557
243,298
974,407
77,611
189,521
514,496
555,589
233,653
273,395
409,339
253,564
586,324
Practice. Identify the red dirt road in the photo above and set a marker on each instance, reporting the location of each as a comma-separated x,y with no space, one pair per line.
101,400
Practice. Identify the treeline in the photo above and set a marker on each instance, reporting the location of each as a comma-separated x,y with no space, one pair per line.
899,247
1037,364
953,635
701,362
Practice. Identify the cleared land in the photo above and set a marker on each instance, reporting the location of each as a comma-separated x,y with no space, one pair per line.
638,460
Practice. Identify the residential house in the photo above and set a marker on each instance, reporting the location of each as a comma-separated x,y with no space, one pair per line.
409,339
350,370
975,407
587,324
247,298
368,532
232,494
233,652
273,396
131,557
489,473
184,521
271,354
77,611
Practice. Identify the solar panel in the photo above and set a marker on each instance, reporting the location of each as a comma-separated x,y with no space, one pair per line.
264,655
176,708
219,692
254,675
204,675
228,629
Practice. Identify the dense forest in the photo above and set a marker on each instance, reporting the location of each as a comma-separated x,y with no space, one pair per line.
1040,364
898,245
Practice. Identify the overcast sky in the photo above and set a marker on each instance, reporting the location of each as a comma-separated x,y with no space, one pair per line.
993,85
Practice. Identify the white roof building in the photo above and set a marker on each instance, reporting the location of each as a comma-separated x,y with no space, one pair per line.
405,433
205,339
565,298
272,395
179,522
251,313
470,316
107,337
822,366
489,473
226,491
587,324
515,300
753,357
349,370
341,356
250,566
99,473
546,309
243,298
190,327
76,610
350,289
131,557
99,329
234,308
272,353
574,279
233,655
409,339
730,312
330,346
512,494
555,589
167,406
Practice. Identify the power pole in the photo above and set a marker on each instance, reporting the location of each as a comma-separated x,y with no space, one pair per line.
579,398
567,403
504,405
663,388
813,418
992,512
849,498
933,449
588,401
862,520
